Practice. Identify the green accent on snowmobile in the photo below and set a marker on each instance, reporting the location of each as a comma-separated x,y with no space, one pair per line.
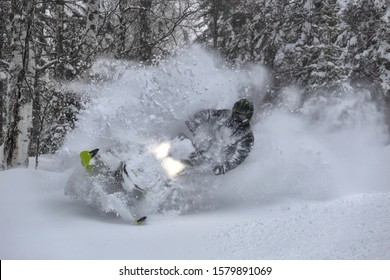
86,156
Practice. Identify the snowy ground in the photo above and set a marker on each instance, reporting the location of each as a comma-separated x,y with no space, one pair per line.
316,185
39,222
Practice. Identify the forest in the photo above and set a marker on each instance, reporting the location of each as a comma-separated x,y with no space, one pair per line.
322,47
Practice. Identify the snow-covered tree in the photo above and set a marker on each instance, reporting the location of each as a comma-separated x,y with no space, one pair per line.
246,31
213,13
383,48
312,54
21,84
294,55
145,29
368,43
328,67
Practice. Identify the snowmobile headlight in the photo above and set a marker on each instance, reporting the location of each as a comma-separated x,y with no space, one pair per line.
162,150
172,167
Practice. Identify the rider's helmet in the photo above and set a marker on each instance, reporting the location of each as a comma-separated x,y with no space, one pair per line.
242,110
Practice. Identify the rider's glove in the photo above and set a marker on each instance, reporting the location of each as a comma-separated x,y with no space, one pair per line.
219,170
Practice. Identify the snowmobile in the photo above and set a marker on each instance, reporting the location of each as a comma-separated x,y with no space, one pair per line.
122,190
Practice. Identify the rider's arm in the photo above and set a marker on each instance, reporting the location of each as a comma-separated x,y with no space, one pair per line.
241,150
203,116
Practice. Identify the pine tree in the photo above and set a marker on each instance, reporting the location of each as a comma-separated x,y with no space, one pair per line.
328,68
214,14
368,43
299,31
383,48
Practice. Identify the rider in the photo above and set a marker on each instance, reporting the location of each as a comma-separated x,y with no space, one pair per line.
223,137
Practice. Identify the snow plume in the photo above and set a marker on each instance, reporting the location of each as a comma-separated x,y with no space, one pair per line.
329,146
141,104
317,149
135,107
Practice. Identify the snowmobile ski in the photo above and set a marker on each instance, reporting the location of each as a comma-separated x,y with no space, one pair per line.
140,221
141,190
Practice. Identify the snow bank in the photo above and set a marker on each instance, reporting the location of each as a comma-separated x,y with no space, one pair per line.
39,222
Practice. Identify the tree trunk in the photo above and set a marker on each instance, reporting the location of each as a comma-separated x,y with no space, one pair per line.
145,31
215,13
4,9
121,46
3,87
21,83
38,86
2,106
59,70
91,27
